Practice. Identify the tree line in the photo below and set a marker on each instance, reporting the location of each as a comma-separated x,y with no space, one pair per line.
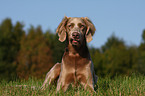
33,52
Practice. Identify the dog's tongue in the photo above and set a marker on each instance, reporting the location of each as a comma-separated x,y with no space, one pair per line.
75,41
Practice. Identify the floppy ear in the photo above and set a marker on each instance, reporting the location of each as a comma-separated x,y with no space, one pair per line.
90,29
61,30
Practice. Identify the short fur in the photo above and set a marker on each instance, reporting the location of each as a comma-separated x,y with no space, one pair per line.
76,65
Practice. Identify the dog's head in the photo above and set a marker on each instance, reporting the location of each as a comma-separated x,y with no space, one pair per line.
76,29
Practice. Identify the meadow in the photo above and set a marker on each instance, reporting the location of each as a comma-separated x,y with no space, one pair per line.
133,85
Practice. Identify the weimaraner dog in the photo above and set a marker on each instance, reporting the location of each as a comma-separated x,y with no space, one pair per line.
76,65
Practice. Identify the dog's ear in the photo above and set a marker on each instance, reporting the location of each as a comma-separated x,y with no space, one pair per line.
61,30
90,29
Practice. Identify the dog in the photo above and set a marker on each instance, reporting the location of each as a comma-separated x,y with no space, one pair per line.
76,65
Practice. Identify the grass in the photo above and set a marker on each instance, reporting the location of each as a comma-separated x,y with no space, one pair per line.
133,85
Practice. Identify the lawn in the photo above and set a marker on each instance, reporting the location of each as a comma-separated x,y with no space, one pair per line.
133,85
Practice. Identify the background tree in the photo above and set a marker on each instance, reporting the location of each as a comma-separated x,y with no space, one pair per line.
141,59
56,46
97,58
35,56
113,41
143,37
114,58
9,46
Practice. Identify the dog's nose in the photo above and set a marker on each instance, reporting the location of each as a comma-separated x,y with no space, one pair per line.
75,35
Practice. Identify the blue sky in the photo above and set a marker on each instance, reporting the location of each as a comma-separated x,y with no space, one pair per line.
124,18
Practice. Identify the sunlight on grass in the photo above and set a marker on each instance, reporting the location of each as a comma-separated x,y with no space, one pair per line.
128,85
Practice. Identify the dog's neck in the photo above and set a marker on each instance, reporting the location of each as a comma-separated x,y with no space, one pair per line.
78,50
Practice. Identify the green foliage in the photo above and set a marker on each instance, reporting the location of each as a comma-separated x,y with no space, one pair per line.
141,59
9,46
35,56
115,58
56,46
143,36
113,41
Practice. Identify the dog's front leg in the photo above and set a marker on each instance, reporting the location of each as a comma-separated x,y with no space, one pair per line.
51,75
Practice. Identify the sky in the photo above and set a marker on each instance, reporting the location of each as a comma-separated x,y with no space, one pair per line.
124,18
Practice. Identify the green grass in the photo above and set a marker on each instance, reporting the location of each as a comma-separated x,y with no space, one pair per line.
133,85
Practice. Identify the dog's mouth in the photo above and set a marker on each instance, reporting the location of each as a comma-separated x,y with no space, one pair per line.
75,41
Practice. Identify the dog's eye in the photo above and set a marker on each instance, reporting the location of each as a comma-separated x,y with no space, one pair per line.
82,26
69,26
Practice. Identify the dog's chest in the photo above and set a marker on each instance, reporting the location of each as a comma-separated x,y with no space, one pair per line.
75,61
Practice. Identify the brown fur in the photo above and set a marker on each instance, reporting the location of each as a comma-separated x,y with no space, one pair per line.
76,65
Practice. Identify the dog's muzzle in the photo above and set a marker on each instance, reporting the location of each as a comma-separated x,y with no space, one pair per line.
75,38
